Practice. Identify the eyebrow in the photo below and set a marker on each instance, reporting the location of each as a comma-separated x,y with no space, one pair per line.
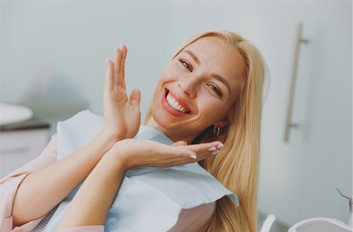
214,75
192,56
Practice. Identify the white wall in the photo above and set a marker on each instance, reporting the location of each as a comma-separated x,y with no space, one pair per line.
299,178
54,53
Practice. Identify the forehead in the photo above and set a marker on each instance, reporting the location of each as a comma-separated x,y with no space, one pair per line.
218,57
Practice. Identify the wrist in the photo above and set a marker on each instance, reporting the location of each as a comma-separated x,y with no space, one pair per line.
112,158
106,140
110,136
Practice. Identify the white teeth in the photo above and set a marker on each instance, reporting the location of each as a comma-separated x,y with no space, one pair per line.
174,104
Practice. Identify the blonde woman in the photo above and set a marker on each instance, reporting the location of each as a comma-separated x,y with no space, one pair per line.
205,118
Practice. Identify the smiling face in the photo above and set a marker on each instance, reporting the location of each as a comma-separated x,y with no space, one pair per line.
197,88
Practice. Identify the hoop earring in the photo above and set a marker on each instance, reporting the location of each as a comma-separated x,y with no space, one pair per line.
216,130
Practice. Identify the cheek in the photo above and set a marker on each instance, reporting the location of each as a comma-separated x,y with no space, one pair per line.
169,73
157,92
210,107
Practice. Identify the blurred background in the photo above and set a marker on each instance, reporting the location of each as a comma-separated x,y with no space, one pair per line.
53,56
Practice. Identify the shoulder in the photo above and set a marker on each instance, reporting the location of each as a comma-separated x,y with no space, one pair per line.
195,219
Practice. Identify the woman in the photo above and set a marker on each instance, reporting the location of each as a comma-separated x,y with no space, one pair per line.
210,90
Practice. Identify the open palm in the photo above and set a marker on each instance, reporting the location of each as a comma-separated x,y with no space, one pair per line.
121,113
132,153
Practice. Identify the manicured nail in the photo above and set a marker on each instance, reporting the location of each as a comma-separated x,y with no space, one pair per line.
193,156
212,149
214,152
219,146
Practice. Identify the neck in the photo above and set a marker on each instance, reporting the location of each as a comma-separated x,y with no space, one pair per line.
172,134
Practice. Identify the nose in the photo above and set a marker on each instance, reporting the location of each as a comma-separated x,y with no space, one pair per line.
189,87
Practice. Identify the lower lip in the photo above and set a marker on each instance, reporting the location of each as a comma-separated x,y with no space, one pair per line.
170,109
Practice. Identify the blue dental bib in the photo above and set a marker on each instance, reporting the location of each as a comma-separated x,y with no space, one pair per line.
149,199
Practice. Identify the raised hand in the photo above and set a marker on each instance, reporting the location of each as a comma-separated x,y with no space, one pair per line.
132,153
121,114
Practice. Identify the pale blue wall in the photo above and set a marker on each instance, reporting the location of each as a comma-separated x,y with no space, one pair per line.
54,52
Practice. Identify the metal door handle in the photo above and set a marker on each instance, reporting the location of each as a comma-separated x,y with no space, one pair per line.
298,41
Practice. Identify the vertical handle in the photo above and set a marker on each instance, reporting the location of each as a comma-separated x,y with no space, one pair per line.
298,41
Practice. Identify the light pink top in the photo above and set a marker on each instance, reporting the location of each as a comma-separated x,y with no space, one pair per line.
194,219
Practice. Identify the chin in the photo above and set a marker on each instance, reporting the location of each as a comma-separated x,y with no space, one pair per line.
162,120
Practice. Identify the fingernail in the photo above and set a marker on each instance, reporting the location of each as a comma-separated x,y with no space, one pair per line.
193,156
219,146
212,149
214,152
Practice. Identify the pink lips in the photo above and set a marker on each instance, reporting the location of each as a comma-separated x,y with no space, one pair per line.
170,109
181,102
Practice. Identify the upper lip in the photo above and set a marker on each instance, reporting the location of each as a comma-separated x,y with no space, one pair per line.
180,101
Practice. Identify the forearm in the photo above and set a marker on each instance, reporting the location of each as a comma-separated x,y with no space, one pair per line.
92,202
43,189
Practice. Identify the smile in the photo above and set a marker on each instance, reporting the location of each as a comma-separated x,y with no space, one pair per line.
174,105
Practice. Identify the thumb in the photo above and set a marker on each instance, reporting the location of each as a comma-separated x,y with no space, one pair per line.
135,98
180,143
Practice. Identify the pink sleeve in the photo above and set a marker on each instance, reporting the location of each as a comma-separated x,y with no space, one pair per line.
10,183
194,219
98,228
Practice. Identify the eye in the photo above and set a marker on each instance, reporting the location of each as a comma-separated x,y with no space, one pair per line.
186,64
215,89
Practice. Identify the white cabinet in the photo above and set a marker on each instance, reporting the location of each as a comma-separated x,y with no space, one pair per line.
20,144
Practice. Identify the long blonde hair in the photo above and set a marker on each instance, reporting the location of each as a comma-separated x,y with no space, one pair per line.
236,166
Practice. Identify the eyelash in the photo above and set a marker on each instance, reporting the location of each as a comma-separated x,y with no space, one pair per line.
189,67
216,90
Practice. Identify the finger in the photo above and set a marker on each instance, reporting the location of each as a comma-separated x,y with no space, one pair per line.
204,156
117,78
180,151
210,152
122,65
195,151
135,98
108,83
180,143
205,147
